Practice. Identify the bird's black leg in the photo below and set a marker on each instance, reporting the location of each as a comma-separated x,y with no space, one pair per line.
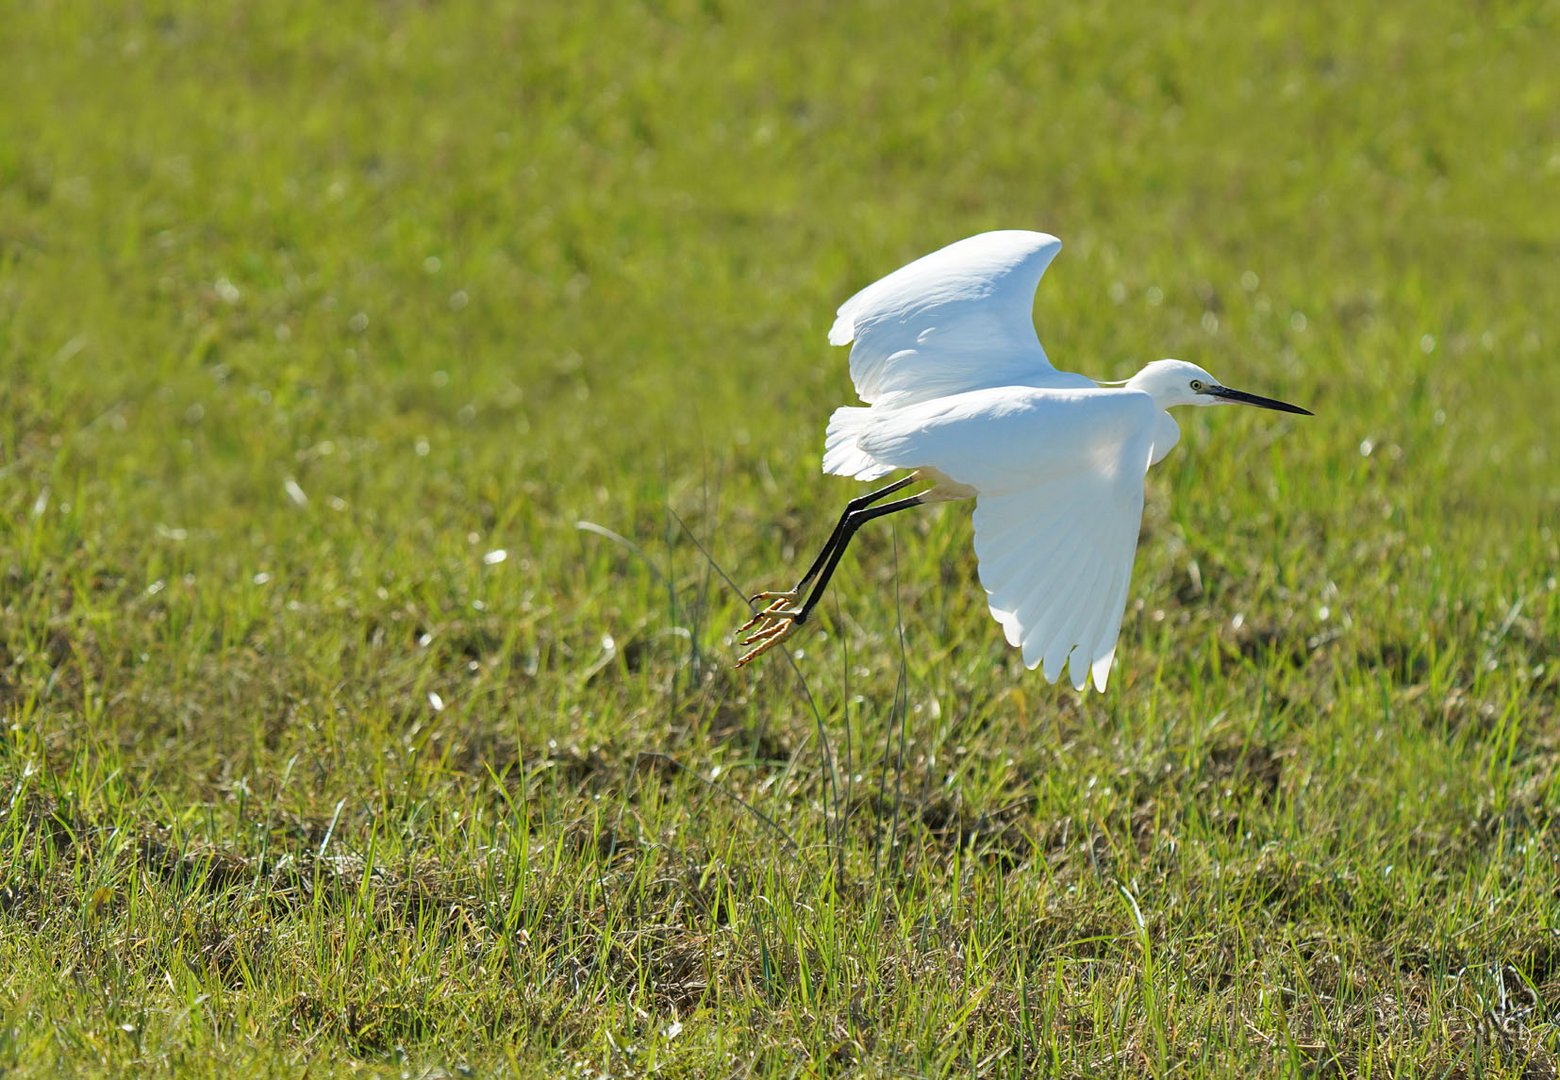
778,621
853,520
777,602
856,505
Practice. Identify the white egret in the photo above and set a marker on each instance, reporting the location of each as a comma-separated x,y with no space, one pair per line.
959,391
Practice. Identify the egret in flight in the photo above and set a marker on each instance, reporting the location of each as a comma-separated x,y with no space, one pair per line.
959,392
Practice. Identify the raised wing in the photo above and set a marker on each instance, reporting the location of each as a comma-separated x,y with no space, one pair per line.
958,319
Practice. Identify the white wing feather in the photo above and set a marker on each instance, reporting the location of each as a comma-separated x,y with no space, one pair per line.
1064,604
959,319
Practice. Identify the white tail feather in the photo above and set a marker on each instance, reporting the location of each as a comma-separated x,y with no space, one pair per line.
842,456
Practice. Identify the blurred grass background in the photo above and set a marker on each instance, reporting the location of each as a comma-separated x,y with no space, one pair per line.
331,741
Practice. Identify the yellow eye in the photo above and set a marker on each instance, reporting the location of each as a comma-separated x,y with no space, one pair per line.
1197,386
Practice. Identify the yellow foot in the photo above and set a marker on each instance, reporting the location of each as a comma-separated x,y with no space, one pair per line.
770,626
781,625
777,603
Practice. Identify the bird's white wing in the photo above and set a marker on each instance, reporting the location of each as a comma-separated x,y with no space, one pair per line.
1056,562
1059,481
958,319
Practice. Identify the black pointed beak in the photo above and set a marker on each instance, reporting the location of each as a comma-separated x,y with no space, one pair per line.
1243,398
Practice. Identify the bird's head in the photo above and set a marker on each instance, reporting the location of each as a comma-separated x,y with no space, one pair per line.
1176,382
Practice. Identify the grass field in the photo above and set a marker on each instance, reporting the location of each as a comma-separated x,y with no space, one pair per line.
330,742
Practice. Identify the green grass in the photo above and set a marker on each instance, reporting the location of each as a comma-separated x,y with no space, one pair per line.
306,309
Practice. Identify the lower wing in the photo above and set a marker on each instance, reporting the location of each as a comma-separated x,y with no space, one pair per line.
1056,560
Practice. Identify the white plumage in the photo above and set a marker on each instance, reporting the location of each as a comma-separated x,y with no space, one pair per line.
959,390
